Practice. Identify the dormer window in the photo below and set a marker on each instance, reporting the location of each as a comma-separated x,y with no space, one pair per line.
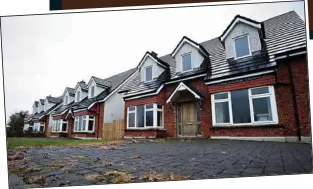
148,72
186,62
78,96
92,91
242,47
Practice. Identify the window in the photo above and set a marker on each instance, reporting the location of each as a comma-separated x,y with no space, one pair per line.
84,123
186,62
42,127
148,73
92,91
59,126
78,96
145,116
248,106
66,99
242,46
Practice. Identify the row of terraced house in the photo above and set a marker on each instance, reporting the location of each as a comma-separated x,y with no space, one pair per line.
249,83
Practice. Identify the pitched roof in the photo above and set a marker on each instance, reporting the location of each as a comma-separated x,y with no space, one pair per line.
101,82
36,103
282,33
82,85
54,100
71,91
115,81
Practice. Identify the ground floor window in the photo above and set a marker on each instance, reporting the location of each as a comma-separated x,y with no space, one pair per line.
248,106
145,116
38,127
85,123
59,126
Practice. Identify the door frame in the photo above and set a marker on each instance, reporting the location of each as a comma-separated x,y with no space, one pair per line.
180,124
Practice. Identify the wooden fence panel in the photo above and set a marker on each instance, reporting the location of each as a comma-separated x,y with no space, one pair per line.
113,131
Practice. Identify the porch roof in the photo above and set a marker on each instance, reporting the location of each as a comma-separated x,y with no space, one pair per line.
184,86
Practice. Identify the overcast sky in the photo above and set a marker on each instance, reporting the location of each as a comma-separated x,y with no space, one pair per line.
43,54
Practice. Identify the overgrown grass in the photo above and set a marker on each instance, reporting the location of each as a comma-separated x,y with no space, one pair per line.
41,142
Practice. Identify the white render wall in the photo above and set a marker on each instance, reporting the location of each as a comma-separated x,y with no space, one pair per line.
196,57
239,30
114,108
70,98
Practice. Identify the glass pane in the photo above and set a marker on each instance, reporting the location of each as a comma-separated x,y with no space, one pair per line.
80,123
186,62
159,106
90,125
41,128
220,96
149,73
160,118
242,46
84,125
240,106
92,91
131,120
140,116
64,126
131,108
222,112
262,109
149,106
261,90
149,118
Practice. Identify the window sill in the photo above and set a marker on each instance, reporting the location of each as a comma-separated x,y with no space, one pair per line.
269,125
60,132
145,129
78,132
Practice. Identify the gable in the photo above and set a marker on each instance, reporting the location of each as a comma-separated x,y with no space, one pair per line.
242,29
97,89
150,62
186,48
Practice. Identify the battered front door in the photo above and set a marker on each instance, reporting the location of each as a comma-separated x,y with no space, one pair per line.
189,120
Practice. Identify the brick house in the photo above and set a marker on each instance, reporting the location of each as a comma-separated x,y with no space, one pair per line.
85,108
250,83
41,114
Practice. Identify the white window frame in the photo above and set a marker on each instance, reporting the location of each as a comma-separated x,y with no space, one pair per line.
249,46
57,126
271,95
44,127
84,118
155,110
146,73
182,63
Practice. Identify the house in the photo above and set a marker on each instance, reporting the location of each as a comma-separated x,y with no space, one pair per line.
250,83
88,106
41,118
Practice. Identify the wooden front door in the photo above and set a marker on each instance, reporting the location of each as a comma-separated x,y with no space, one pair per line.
189,121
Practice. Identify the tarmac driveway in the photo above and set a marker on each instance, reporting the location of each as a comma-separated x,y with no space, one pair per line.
155,160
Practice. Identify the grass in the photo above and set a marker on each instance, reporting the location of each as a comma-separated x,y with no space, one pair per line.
41,142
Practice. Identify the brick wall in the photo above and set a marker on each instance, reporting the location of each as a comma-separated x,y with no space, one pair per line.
283,95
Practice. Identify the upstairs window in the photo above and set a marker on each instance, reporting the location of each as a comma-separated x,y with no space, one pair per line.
148,73
92,91
78,96
186,62
242,47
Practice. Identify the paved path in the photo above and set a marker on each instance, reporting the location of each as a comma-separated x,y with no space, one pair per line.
192,159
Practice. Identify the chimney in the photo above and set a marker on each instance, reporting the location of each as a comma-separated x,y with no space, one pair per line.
154,53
